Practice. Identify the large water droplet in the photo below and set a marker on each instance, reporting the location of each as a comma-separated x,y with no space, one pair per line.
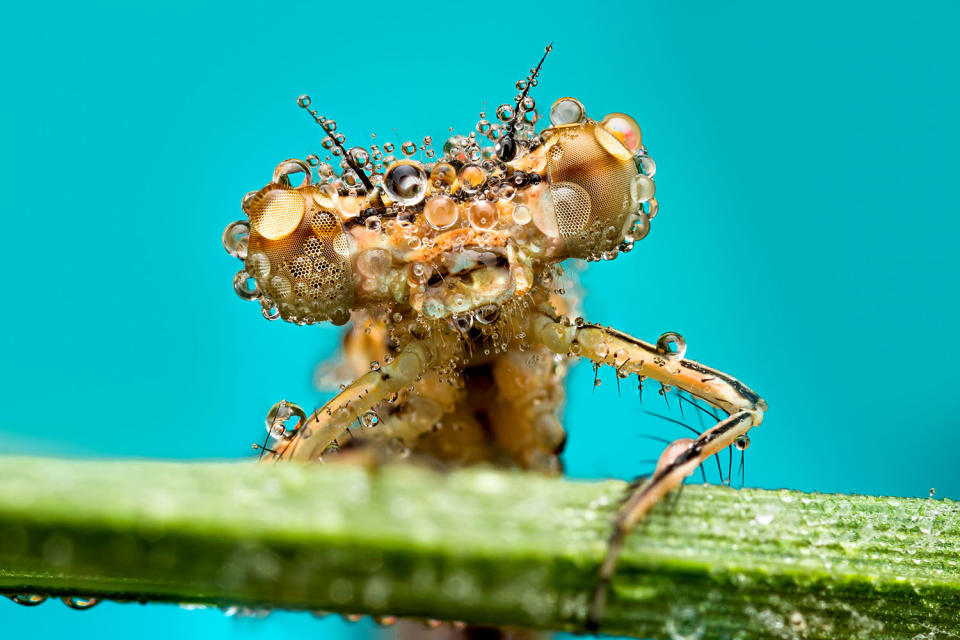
483,215
672,346
441,212
278,415
246,285
28,599
566,111
405,182
235,238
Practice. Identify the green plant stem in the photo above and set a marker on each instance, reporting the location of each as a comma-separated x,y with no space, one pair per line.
490,547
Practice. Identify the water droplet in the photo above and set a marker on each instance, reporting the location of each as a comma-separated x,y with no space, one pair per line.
742,442
672,346
28,599
359,156
405,182
441,212
303,101
642,188
487,314
287,168
278,415
369,419
79,602
483,215
443,176
408,148
645,164
388,147
625,129
566,111
246,285
472,178
235,238
521,214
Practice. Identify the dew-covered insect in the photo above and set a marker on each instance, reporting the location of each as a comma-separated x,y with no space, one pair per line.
449,268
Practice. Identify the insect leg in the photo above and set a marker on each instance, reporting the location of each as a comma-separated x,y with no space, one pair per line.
607,346
327,423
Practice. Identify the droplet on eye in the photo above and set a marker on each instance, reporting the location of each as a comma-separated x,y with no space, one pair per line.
258,264
483,215
440,212
278,213
235,238
611,144
625,129
246,285
642,189
672,346
287,168
566,111
405,182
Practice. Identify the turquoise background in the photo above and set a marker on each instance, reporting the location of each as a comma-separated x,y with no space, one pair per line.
806,242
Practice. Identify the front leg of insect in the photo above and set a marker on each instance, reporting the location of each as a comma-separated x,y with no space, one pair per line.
448,267
663,362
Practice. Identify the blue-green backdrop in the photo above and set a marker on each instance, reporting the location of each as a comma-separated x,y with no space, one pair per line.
806,243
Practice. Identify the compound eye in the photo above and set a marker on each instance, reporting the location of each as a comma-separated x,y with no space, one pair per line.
625,129
590,172
277,213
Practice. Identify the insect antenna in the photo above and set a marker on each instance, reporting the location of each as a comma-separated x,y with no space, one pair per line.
506,146
304,103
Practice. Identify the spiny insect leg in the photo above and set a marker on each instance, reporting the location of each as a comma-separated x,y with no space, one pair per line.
330,421
607,346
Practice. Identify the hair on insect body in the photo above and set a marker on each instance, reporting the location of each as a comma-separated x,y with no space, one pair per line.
448,263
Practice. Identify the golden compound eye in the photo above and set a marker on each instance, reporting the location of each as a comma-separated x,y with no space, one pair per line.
566,111
625,129
278,213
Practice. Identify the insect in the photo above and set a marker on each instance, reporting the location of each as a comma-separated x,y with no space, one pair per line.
450,270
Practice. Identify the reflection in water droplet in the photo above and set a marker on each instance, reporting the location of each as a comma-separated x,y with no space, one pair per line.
27,599
405,182
471,178
566,111
483,215
672,346
742,442
443,176
278,415
79,602
246,285
235,238
521,215
369,419
440,212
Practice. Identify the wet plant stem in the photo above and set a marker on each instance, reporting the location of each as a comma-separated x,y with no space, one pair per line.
485,547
